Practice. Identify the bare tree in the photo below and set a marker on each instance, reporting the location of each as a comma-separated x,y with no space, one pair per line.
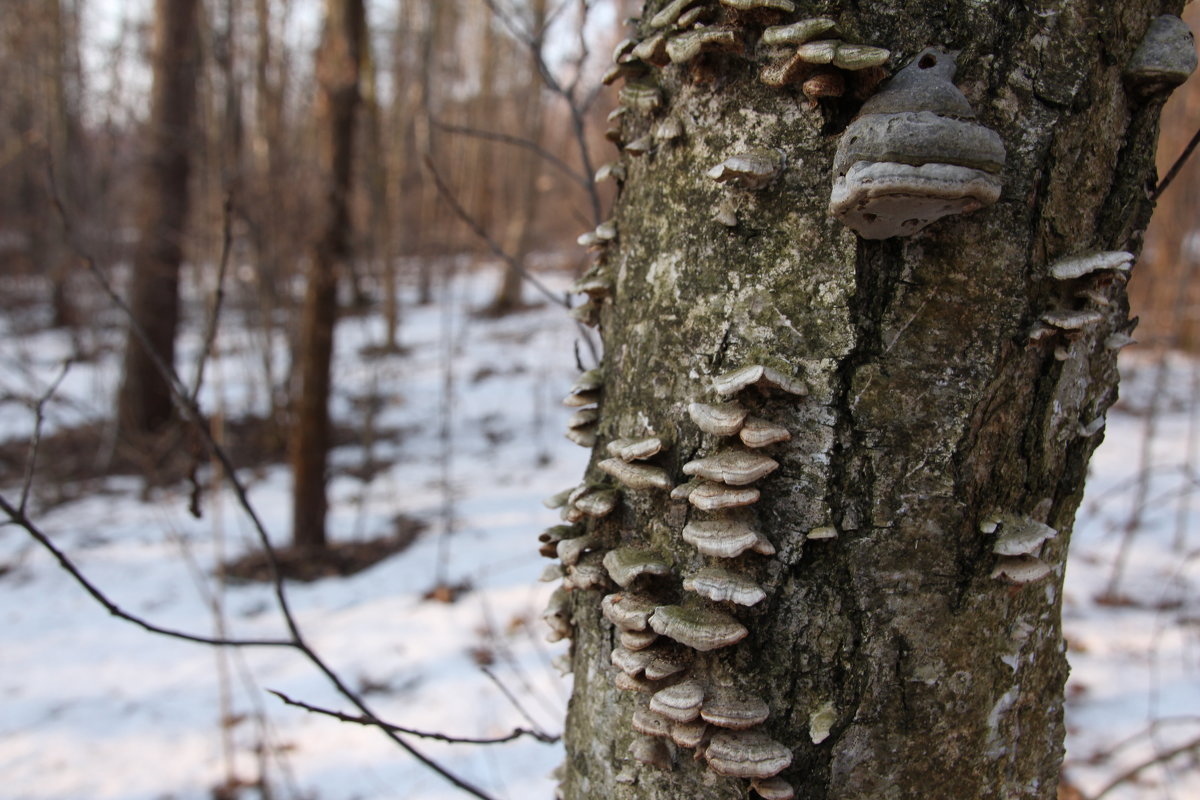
339,59
144,400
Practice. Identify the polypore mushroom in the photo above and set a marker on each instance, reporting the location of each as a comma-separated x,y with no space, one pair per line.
786,6
732,382
732,467
646,721
760,433
751,170
636,640
699,629
1164,59
797,33
1018,569
626,563
747,754
592,380
570,550
652,50
558,499
667,660
628,610
640,96
914,154
598,503
823,532
773,789
725,419
734,710
1077,266
581,399
635,449
1118,341
669,129
721,585
589,573
725,538
670,13
631,662
686,46
640,146
1020,536
557,616
679,703
636,476
689,734
1072,320
713,496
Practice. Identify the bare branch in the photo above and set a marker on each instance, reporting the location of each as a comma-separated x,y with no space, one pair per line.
1161,758
18,517
214,316
512,699
515,141
39,410
516,733
1173,172
493,245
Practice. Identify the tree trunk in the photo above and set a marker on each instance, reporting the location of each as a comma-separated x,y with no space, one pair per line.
144,403
895,660
338,61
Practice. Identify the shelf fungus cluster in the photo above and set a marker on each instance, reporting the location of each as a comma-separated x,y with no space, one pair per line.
1085,301
914,154
1165,58
1018,545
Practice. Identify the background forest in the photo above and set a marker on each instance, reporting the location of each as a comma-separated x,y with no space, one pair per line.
413,176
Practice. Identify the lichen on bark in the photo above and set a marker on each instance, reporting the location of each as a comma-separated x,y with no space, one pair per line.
929,407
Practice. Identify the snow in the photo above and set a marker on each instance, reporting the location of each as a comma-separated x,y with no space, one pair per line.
471,425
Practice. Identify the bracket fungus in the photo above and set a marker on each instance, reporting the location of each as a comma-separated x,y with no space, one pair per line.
1021,569
914,154
636,640
712,496
797,33
670,13
734,710
679,703
636,476
786,6
1019,536
725,538
721,585
1072,320
651,751
751,170
689,734
747,754
699,629
773,789
760,433
646,721
597,503
1164,59
725,419
687,46
635,449
730,383
1066,269
628,610
732,467
626,563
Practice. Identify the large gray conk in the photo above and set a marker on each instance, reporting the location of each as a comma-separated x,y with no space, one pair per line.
914,154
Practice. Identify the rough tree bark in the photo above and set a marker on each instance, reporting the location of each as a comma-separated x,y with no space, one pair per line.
894,664
338,63
144,404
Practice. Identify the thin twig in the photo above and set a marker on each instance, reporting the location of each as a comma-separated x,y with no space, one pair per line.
511,698
35,441
19,518
1162,758
210,333
483,235
516,733
1173,172
515,141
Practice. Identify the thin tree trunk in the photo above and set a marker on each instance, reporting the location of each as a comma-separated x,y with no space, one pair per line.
338,62
144,403
895,661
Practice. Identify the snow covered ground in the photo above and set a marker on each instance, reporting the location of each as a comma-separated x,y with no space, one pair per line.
93,707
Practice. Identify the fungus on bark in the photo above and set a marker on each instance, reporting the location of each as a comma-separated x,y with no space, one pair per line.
699,629
773,789
914,154
628,610
730,383
635,449
751,170
712,496
747,754
636,476
761,433
1077,266
721,585
626,563
1164,59
725,538
680,702
734,710
732,467
724,419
